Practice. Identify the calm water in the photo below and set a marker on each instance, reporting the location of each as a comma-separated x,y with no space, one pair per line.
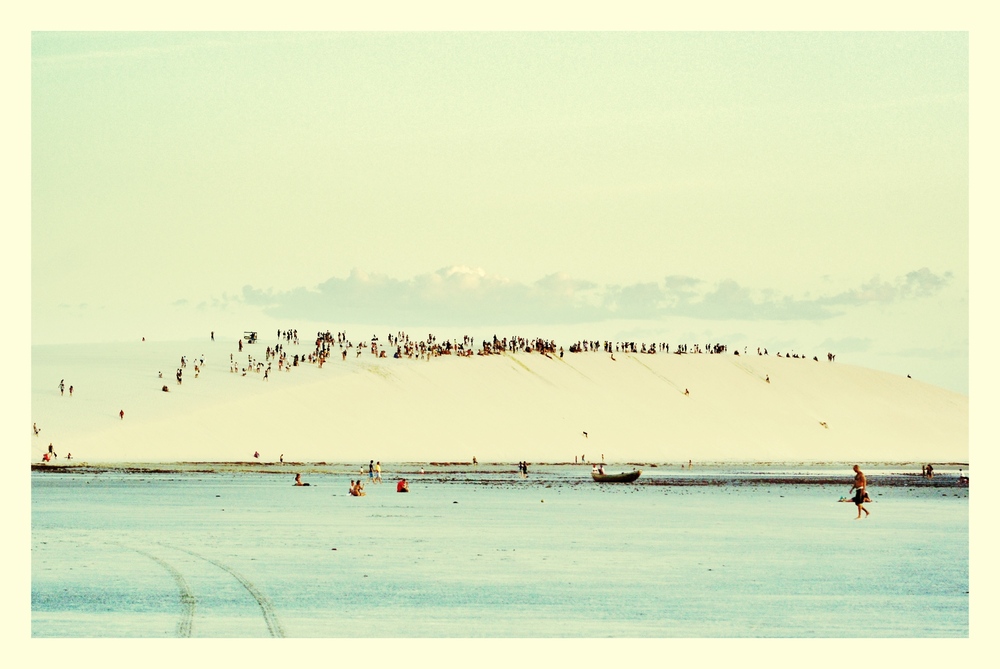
234,554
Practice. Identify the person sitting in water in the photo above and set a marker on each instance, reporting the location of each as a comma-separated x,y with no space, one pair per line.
402,486
298,480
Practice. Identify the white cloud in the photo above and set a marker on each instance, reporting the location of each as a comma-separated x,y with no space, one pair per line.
462,295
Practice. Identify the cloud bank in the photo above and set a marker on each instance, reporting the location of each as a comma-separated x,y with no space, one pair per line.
468,296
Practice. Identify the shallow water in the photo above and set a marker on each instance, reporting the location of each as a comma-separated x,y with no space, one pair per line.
234,554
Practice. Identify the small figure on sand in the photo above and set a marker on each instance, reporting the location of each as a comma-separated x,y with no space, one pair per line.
69,456
402,486
256,454
281,458
34,426
52,452
71,391
121,415
860,488
298,480
62,385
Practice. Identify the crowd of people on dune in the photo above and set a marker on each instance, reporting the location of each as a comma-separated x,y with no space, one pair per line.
402,345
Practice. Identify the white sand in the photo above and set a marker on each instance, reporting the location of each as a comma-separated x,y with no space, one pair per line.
496,408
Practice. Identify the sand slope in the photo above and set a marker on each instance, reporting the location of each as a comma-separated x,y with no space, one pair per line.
504,407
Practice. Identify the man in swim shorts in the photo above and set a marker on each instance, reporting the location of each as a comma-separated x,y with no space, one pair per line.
860,489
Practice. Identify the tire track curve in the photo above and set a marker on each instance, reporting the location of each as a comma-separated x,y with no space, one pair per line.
188,600
274,627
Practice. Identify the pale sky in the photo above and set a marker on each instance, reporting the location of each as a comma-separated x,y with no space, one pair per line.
800,191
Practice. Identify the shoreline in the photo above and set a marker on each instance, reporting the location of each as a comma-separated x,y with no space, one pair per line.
716,474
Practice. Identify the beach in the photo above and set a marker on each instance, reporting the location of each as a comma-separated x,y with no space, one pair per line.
735,551
176,515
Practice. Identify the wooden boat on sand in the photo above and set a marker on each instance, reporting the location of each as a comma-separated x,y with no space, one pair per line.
625,477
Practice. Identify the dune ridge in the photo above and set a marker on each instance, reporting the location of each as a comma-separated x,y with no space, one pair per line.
506,407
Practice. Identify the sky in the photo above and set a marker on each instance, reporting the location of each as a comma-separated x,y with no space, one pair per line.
803,191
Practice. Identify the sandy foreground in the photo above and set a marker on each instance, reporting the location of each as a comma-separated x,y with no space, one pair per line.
503,408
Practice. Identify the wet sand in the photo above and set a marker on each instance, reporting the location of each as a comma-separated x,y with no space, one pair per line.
738,550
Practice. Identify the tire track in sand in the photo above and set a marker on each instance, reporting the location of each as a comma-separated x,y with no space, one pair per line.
188,600
274,627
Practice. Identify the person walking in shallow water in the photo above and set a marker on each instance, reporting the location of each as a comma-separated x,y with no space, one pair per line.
860,489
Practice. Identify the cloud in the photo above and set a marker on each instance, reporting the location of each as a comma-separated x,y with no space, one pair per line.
462,295
916,284
730,301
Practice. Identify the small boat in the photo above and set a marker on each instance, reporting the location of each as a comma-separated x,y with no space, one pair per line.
625,477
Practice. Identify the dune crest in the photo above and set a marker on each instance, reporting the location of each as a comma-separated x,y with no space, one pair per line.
506,407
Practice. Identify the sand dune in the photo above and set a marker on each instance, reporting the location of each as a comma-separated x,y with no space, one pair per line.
496,408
